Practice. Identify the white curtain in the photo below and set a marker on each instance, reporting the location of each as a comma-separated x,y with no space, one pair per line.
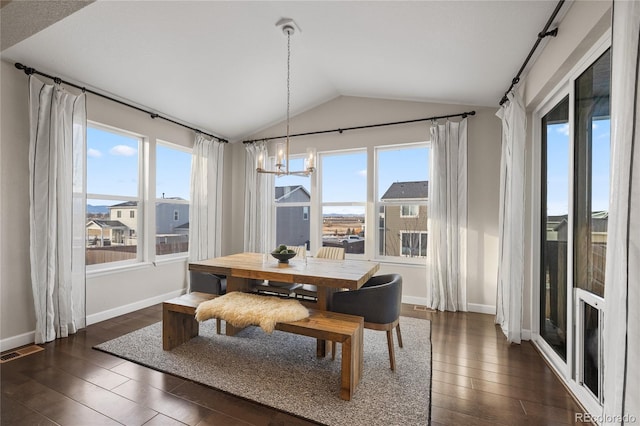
511,218
205,213
447,238
621,388
57,136
258,202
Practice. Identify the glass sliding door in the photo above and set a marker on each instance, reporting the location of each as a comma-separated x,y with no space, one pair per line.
555,227
592,154
591,213
575,145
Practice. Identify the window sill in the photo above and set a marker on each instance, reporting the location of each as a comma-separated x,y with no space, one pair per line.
410,264
116,269
171,258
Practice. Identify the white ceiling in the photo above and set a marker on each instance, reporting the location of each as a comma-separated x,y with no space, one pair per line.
221,65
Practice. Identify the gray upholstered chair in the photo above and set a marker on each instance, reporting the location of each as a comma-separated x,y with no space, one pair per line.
205,282
310,291
378,301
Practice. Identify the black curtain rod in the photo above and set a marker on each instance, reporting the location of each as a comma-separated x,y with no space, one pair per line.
58,80
463,115
542,34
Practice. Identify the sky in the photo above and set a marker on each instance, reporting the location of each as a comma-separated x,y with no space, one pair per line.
112,161
112,167
344,175
558,147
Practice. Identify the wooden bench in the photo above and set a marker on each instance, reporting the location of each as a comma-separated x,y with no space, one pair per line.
179,325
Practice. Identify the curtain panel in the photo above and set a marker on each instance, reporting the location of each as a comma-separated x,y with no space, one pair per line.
57,204
205,213
258,202
447,238
511,220
621,335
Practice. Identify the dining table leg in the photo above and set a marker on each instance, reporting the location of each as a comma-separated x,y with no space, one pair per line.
324,304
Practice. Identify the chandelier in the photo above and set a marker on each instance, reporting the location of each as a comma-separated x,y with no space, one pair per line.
282,148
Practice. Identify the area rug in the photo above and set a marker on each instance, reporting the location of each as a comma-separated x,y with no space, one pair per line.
281,370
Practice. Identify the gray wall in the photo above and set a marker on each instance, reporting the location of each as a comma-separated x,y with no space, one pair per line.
108,293
484,174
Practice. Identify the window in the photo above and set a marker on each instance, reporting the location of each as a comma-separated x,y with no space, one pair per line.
344,199
173,180
592,153
402,177
292,201
113,169
409,210
414,244
574,208
555,225
132,214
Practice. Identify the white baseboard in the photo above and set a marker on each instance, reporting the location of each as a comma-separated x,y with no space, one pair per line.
412,300
481,309
29,337
471,307
17,341
141,304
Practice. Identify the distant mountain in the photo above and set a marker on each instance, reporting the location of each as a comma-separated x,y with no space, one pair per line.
91,209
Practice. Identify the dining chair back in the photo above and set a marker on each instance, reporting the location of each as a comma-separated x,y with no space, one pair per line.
310,291
379,301
330,253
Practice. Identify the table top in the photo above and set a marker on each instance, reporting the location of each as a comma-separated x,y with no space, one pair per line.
347,273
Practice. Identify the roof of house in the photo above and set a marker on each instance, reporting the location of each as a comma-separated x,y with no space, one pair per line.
108,223
284,192
183,226
126,204
400,190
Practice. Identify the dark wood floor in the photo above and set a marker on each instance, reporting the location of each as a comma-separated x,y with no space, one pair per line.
478,379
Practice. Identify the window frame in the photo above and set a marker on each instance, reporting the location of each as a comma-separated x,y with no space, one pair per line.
385,203
566,369
141,247
304,204
177,147
412,215
321,204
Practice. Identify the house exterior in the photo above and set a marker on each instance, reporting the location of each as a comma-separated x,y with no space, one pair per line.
403,219
171,215
172,225
102,233
292,222
127,213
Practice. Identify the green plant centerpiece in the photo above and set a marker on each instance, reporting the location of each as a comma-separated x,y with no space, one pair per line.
283,254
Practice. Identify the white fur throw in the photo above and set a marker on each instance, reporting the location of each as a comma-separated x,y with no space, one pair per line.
243,309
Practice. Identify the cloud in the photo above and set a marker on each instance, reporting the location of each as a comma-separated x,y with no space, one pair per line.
564,129
91,152
123,150
362,173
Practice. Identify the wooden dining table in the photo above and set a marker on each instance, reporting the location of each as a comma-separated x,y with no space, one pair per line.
328,275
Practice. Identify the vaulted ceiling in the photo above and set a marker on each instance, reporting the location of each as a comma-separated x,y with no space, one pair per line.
221,65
